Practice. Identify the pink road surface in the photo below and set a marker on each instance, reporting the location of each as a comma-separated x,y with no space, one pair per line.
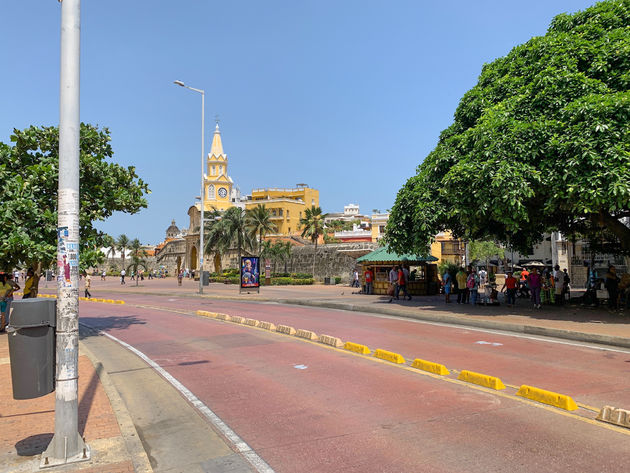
344,413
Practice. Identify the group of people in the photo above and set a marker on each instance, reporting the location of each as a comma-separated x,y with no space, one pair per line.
8,286
398,278
473,285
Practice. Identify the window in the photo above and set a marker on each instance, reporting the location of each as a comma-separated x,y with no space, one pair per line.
287,213
211,192
273,212
214,170
281,212
381,228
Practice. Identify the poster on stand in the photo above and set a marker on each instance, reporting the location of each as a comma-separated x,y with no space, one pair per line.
250,272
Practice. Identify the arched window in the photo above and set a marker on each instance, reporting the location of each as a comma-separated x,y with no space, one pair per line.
214,170
211,192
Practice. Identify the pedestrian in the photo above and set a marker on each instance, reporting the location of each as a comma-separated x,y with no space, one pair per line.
393,281
472,283
103,274
559,286
447,282
88,285
401,283
535,284
7,287
30,285
180,276
510,287
369,283
122,276
566,288
462,290
355,279
612,285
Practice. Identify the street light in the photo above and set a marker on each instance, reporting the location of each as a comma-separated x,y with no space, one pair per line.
201,252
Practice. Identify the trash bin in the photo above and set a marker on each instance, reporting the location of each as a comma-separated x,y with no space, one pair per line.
327,280
31,334
206,278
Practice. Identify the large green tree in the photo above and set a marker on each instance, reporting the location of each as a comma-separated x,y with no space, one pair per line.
29,180
258,222
541,143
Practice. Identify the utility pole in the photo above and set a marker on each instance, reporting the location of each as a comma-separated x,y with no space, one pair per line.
67,445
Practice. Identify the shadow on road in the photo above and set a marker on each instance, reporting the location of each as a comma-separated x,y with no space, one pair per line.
90,325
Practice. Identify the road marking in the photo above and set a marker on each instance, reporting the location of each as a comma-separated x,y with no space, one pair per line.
239,444
300,367
494,344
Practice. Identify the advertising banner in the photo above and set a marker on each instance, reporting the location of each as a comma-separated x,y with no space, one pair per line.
250,272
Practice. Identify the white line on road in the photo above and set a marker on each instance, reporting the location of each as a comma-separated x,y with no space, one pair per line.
239,444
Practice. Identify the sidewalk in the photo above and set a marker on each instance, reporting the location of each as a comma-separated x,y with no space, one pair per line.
572,322
27,426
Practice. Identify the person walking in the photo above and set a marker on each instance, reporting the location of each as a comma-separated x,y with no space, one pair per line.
393,281
103,274
401,283
510,287
559,286
355,279
472,283
7,287
180,276
122,277
369,283
535,284
88,285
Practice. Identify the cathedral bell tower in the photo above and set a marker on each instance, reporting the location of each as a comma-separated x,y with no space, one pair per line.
217,183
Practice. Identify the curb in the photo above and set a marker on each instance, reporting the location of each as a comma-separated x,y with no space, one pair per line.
128,430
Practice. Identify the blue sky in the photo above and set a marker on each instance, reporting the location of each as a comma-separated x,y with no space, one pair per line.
346,96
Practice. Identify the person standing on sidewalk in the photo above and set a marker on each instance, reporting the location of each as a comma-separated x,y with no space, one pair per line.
29,290
369,284
510,287
535,285
393,278
122,277
612,285
402,283
7,286
472,283
447,284
88,285
462,290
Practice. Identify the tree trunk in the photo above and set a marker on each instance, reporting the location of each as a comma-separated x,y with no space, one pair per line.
607,221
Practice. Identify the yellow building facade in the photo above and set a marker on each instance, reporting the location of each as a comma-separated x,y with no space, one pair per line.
448,249
287,206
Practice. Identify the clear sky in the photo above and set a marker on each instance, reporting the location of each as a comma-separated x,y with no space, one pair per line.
346,96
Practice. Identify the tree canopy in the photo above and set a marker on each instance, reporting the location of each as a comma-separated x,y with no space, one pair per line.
540,144
29,180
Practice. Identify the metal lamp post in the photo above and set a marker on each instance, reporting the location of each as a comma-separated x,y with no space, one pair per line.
201,226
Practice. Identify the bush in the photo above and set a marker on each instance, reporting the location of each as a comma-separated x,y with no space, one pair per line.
337,279
280,275
301,276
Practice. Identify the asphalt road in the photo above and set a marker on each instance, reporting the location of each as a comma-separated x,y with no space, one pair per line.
304,407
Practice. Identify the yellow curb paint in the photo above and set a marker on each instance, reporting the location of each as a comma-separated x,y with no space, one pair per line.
481,379
252,322
225,317
266,326
237,319
547,397
429,366
388,356
307,334
330,340
119,302
285,329
355,347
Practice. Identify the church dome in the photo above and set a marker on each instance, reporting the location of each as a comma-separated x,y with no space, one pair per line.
172,231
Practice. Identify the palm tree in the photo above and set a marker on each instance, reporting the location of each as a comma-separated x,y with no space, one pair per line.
110,243
235,232
122,244
313,222
258,221
214,234
287,247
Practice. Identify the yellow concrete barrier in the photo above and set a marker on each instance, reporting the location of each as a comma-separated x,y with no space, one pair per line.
285,329
307,334
108,301
330,340
355,347
429,366
388,356
119,302
267,325
252,322
547,397
481,379
225,317
237,319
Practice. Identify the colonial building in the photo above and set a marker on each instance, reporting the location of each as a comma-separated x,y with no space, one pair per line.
171,253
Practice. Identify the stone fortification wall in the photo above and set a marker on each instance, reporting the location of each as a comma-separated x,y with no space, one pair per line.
330,260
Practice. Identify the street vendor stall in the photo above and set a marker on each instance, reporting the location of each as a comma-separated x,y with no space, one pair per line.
423,274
